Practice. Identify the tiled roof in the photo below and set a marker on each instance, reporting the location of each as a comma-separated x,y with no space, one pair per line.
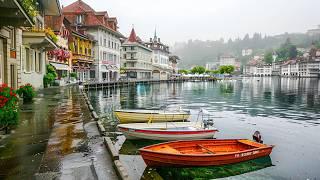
133,36
54,22
79,4
92,18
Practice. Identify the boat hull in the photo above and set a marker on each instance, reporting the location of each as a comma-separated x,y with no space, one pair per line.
167,136
137,117
160,159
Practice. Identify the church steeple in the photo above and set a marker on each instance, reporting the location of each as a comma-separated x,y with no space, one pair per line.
155,35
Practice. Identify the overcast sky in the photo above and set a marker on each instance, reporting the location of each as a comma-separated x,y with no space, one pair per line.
181,20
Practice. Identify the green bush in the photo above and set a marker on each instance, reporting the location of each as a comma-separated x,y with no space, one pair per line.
73,74
8,107
51,75
26,92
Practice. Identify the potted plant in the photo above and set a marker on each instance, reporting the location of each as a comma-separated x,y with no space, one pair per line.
73,76
26,92
8,107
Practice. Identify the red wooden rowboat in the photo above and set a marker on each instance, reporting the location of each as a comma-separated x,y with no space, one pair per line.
203,152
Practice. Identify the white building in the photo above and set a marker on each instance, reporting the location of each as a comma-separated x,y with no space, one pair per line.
229,60
136,58
247,52
104,30
212,66
161,64
107,56
314,32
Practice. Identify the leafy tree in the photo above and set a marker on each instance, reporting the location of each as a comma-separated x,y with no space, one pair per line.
287,51
268,58
198,70
183,71
229,69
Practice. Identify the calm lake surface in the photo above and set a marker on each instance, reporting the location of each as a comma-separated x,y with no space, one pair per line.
284,110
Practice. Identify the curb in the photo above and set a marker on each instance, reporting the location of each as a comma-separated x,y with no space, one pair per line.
101,129
121,171
112,150
95,116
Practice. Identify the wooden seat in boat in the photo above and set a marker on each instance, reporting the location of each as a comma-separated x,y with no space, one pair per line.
168,149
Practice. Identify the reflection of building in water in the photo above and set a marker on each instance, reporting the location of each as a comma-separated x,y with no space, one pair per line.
108,98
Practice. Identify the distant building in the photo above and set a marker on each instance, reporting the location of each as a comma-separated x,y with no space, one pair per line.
313,32
136,58
212,66
161,67
229,60
247,52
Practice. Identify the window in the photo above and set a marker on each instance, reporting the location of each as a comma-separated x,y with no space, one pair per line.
132,48
35,60
28,61
40,62
125,56
13,82
80,19
109,43
104,42
12,36
125,49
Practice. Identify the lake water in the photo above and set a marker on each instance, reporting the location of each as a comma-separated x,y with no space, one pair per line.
284,110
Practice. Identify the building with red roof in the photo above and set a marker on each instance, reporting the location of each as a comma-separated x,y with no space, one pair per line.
104,30
136,58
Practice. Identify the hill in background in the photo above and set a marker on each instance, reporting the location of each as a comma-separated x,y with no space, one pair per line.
196,52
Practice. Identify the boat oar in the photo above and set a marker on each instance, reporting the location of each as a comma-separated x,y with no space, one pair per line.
211,152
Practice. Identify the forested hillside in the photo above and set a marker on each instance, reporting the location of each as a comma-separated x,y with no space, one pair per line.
196,52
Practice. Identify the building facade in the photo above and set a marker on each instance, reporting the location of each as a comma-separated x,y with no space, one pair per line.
161,64
226,60
36,43
104,30
82,58
136,58
60,58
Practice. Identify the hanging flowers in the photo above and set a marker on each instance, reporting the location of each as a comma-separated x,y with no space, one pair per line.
59,54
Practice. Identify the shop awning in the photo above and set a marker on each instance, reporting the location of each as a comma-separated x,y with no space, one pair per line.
62,67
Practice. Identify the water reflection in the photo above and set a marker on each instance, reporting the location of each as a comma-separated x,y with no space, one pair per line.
285,110
209,172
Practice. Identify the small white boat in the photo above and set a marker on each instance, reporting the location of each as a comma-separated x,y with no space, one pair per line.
166,131
143,116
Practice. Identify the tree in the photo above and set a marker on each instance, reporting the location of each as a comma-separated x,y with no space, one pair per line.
268,58
287,51
229,69
198,70
183,71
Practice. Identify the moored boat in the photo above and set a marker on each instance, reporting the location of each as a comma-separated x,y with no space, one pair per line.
166,131
142,116
203,152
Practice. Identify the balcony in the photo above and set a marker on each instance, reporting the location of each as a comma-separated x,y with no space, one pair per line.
81,58
38,39
12,13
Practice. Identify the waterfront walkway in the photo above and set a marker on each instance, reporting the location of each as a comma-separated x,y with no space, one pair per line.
75,149
56,139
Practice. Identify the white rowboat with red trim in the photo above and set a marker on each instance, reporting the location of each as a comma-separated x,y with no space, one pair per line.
166,131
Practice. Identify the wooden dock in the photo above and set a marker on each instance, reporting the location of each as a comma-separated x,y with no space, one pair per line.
102,85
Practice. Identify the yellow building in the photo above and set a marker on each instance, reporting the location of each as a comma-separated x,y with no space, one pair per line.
82,56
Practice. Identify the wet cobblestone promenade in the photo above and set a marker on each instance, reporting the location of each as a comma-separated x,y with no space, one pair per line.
55,139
